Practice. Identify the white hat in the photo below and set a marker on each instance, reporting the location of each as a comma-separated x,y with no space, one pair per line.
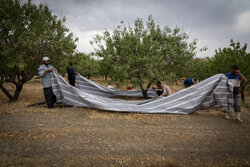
45,58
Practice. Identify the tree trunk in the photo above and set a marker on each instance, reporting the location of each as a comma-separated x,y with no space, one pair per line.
17,92
5,91
14,98
144,92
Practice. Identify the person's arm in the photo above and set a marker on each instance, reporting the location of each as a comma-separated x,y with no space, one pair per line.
156,88
169,91
241,76
70,71
42,72
47,70
164,89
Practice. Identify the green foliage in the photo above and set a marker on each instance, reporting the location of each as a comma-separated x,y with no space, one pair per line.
143,53
199,68
85,64
202,68
28,33
226,57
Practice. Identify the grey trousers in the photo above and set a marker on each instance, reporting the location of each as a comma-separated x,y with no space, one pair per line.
237,103
49,97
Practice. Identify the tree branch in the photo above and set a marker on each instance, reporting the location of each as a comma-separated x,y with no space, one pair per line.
5,91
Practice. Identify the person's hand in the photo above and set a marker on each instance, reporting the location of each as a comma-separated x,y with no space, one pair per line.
237,71
50,69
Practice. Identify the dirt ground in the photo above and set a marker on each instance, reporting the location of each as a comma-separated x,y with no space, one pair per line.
67,136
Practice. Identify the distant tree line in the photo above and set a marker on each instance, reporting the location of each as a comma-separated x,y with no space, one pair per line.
142,54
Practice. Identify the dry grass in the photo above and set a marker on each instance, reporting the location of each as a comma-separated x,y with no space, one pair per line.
69,129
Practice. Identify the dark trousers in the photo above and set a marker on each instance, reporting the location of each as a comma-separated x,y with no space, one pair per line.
72,81
159,92
49,96
236,95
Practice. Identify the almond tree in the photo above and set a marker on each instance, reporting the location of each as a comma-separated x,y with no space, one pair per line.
28,33
144,53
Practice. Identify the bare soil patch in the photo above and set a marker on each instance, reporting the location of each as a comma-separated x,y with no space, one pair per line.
67,136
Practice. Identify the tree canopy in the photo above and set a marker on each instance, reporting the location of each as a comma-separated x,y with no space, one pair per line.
28,33
235,54
85,64
144,53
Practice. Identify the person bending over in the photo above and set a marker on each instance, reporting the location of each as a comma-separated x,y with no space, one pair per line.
189,82
163,90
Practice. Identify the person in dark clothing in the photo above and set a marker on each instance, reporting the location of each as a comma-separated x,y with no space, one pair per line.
71,74
189,82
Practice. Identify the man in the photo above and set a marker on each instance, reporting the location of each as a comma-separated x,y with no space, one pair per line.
189,82
45,72
71,74
165,90
235,77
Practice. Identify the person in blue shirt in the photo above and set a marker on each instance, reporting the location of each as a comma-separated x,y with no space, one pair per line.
71,74
235,77
44,72
189,82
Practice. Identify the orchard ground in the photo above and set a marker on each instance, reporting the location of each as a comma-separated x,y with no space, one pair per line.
68,136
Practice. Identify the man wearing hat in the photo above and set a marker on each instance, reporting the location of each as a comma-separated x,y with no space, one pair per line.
235,77
45,72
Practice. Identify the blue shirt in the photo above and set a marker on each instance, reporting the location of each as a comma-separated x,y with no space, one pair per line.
234,79
71,72
46,79
189,81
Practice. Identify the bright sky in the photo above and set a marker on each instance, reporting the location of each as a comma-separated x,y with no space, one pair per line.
212,22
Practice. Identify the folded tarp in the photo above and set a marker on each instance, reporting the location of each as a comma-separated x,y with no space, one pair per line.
89,86
214,92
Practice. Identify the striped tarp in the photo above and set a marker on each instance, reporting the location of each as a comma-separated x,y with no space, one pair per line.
214,92
89,86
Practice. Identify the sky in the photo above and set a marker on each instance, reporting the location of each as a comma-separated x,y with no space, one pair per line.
213,22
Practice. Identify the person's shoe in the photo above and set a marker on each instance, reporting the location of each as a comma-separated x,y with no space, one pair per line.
228,115
51,106
238,117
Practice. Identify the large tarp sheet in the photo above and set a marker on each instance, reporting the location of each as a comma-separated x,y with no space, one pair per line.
214,92
89,86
